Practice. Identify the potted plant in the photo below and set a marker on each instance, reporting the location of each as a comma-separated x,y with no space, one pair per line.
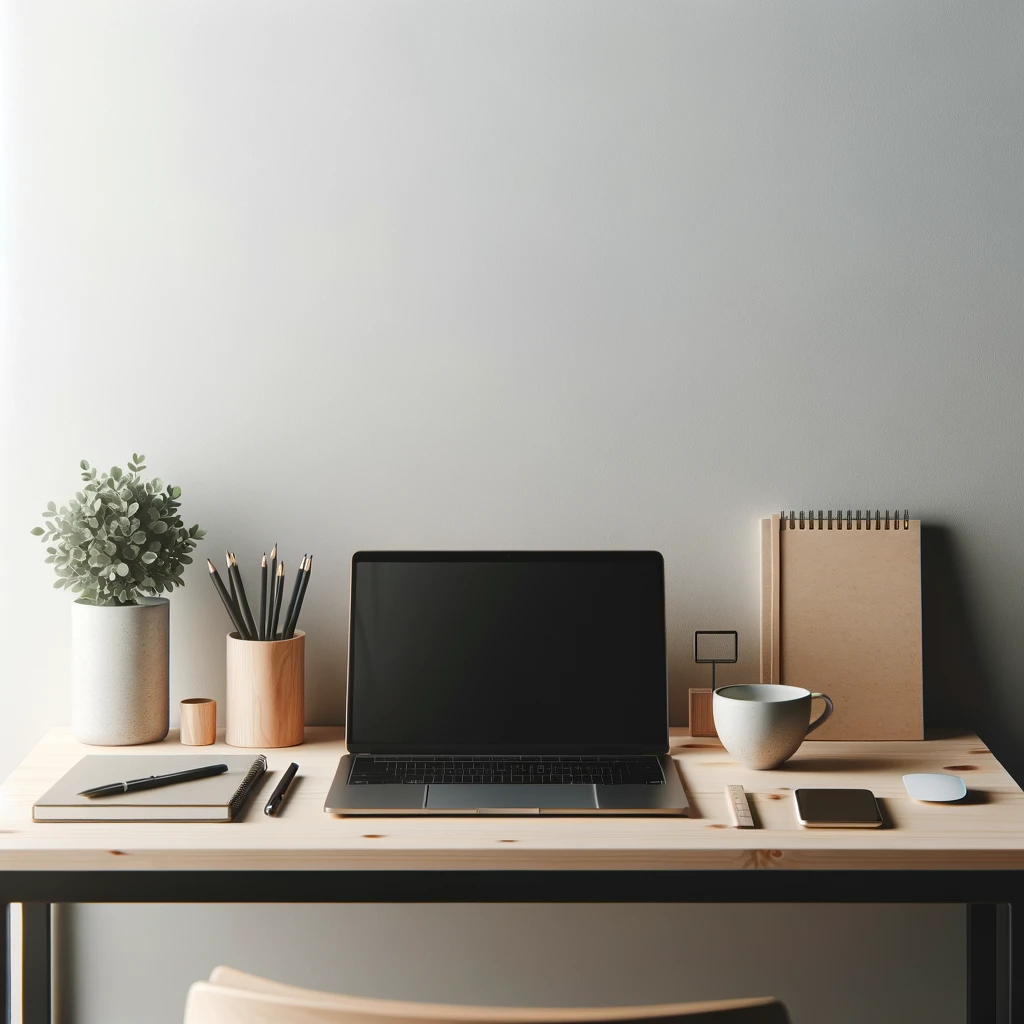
119,544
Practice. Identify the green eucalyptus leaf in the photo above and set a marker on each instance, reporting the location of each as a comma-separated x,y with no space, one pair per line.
84,464
133,508
159,526
148,557
139,538
37,531
175,492
51,506
57,584
122,569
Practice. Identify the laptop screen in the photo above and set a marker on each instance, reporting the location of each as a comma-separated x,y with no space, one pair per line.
507,652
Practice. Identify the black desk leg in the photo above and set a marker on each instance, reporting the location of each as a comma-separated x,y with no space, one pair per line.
982,978
5,962
35,960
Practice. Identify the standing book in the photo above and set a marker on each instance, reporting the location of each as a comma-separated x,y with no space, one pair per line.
216,798
841,614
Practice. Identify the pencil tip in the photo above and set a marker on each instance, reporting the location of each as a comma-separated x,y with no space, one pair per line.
264,559
273,554
280,569
309,563
213,568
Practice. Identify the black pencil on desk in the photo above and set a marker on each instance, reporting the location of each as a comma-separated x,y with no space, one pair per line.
243,603
263,598
290,628
278,601
232,612
294,598
271,586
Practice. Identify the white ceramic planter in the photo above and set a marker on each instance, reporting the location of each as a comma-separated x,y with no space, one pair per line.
119,672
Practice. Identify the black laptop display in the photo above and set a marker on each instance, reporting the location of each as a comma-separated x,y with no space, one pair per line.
508,653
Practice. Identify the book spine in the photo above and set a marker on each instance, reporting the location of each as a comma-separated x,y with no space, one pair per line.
252,776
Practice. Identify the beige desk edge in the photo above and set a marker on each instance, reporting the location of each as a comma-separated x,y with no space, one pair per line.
986,832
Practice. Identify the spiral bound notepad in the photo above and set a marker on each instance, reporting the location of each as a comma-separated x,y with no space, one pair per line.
841,614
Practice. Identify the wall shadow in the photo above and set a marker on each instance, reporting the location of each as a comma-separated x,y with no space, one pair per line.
958,690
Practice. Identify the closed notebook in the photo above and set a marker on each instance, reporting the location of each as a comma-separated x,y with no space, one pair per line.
216,798
841,614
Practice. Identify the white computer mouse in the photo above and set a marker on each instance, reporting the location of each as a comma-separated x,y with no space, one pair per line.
935,788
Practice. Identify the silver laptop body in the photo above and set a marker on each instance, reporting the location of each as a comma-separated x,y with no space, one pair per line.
507,683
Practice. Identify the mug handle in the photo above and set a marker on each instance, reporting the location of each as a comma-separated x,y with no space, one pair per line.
825,715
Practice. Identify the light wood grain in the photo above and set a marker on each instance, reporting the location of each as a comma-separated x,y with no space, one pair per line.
265,691
985,832
231,996
198,721
702,714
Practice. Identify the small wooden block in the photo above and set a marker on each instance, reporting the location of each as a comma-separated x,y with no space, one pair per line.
198,721
702,718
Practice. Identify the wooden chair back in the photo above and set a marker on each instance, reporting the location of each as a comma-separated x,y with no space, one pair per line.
232,997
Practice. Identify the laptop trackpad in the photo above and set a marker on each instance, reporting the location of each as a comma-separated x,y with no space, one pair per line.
494,798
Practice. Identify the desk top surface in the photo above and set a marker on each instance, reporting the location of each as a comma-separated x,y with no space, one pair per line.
986,831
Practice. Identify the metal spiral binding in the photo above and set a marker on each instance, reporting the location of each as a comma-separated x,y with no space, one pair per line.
848,520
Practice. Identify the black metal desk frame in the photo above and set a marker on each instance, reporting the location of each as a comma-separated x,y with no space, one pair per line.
995,969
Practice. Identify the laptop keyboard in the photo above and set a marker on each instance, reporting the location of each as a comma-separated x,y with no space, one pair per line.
621,770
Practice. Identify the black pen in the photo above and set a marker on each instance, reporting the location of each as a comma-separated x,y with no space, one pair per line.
155,781
277,796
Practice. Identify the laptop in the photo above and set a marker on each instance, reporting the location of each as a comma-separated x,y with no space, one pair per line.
507,682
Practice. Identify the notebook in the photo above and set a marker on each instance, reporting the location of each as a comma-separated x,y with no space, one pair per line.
841,614
217,798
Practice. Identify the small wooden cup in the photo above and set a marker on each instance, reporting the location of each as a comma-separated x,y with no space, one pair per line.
198,721
266,691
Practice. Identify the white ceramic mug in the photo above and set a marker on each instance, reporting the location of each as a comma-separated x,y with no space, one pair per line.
763,724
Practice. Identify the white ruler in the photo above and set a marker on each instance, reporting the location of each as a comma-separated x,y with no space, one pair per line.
740,807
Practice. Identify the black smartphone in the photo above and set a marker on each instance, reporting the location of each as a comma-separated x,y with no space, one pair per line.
837,808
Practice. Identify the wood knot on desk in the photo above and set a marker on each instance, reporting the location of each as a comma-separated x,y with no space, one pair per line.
960,768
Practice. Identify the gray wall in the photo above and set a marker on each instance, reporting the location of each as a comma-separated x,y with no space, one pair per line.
376,274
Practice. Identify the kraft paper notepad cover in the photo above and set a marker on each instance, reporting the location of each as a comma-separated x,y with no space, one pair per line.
841,614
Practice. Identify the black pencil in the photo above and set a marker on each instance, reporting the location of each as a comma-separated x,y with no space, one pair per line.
263,598
278,600
271,587
231,582
243,603
232,613
293,622
294,598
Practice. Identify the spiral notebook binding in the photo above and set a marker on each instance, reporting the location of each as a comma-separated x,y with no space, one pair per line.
252,776
847,519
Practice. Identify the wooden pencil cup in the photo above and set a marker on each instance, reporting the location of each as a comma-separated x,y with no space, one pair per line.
265,699
198,721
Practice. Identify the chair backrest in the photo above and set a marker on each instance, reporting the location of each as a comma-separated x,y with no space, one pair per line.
231,997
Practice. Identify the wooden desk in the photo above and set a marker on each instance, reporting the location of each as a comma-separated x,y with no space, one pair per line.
970,853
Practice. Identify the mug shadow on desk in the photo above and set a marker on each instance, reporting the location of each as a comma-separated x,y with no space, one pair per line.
840,764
